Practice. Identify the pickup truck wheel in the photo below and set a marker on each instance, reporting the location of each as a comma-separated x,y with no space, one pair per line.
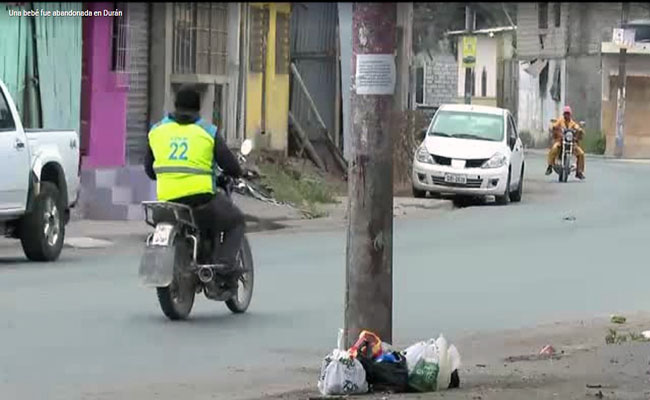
42,230
419,194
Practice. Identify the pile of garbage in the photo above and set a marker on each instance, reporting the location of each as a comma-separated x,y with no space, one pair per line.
371,365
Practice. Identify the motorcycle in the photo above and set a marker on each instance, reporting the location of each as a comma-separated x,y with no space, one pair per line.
177,261
564,163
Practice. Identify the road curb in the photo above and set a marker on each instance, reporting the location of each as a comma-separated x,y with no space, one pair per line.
86,240
544,153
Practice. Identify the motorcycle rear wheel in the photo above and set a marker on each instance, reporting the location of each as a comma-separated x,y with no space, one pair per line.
242,300
177,299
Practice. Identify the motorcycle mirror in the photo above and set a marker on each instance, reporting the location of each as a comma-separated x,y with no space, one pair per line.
583,123
246,147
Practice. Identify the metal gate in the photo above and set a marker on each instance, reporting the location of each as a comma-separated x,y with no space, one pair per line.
313,50
137,118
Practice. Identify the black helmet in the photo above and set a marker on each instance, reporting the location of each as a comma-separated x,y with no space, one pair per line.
188,99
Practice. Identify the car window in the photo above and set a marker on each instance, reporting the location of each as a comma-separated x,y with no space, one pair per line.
6,120
467,125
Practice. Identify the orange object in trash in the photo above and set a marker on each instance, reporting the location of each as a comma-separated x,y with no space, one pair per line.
368,343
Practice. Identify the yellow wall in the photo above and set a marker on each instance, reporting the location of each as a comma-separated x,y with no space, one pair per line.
277,93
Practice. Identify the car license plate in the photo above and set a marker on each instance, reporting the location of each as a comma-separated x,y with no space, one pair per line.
162,234
458,179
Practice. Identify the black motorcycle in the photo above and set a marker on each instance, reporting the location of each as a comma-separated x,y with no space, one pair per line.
178,256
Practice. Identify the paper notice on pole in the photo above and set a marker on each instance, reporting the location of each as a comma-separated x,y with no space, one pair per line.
376,74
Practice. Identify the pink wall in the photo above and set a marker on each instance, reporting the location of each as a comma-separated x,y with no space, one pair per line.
103,96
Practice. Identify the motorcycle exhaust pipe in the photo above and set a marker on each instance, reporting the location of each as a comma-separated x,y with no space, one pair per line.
205,274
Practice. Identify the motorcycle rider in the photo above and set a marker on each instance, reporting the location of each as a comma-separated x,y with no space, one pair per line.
182,150
557,128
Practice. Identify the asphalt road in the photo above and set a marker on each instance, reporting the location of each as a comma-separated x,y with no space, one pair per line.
82,328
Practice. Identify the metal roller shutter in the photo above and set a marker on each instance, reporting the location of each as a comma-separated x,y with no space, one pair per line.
137,120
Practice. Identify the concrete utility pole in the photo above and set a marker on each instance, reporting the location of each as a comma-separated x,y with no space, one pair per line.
469,27
369,269
620,98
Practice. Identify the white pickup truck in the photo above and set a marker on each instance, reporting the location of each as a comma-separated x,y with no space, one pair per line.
39,182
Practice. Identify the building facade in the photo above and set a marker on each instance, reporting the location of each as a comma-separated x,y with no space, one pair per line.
560,60
492,74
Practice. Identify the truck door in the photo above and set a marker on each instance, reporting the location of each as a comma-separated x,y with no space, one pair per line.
14,161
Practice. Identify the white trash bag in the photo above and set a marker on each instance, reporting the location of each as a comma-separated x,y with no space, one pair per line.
342,374
419,351
448,361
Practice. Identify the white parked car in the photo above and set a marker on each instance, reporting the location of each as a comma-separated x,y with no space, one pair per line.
39,183
470,151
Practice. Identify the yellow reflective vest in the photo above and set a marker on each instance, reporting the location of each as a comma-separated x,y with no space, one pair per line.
183,158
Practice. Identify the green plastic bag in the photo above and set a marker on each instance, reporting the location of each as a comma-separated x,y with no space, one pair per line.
424,377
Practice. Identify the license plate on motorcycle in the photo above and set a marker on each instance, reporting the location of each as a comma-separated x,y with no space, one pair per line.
161,235
458,179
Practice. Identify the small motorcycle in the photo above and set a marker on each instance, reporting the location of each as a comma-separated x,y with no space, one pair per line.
177,261
564,163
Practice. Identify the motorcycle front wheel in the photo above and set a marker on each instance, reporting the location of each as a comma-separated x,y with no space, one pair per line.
566,169
177,299
240,302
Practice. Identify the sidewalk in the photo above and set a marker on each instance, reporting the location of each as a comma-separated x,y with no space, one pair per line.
507,366
260,216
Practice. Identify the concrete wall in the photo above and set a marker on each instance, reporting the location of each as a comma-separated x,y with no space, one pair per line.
536,106
104,94
440,77
553,42
583,81
591,24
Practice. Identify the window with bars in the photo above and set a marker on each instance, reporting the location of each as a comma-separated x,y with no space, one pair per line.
200,38
282,44
120,40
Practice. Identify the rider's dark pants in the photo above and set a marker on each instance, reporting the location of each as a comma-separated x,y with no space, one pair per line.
218,215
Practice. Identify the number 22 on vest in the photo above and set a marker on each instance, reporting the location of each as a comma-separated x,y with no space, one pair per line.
178,150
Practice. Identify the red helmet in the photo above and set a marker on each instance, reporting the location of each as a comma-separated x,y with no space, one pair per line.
567,109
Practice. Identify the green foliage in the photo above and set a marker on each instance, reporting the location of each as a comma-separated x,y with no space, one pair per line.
594,142
301,189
